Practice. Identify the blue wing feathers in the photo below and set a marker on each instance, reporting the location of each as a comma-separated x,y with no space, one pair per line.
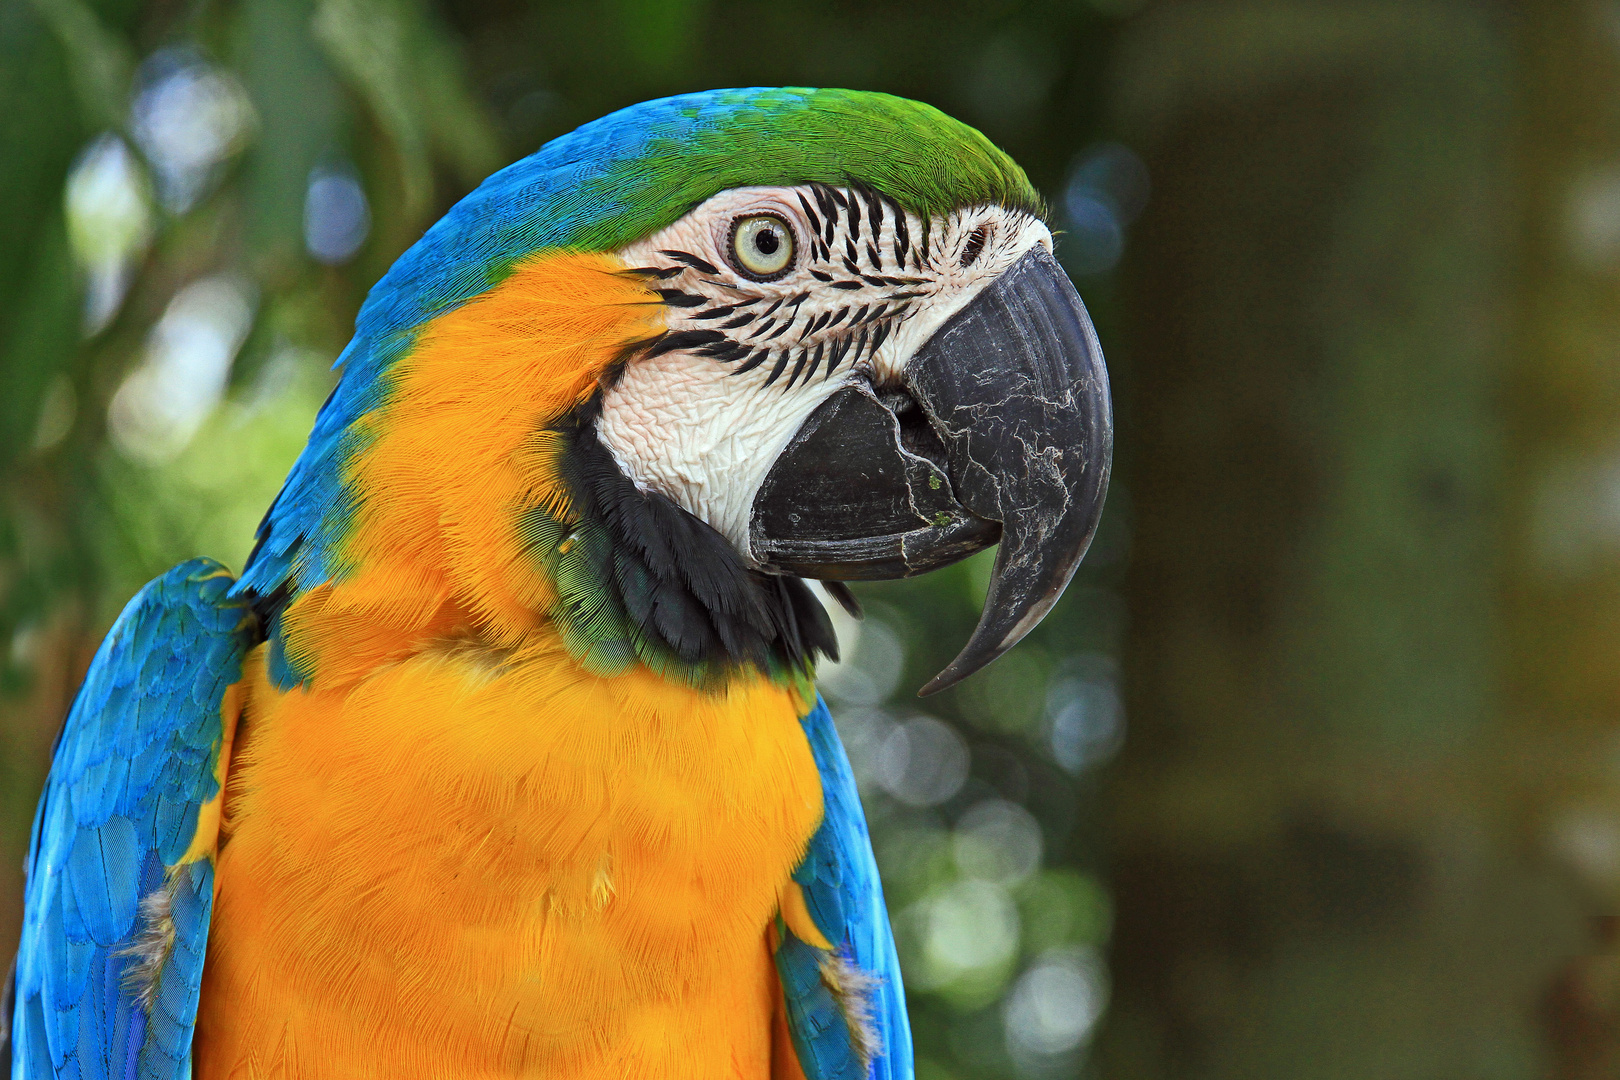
842,891
133,766
821,1036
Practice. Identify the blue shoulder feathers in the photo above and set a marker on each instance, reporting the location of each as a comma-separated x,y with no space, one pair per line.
846,1010
112,948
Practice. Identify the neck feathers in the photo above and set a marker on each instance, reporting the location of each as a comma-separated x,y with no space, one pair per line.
639,578
475,498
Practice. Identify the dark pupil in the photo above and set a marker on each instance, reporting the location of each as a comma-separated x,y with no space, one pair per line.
766,241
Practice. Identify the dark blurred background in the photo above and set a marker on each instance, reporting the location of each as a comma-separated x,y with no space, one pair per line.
1315,772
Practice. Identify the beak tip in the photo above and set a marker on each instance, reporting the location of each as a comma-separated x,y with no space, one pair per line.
972,659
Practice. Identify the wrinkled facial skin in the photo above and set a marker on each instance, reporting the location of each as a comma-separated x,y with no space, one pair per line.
748,361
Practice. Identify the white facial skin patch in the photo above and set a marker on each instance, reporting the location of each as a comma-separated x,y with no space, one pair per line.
702,416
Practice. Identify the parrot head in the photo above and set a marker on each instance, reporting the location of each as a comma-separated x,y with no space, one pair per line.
844,351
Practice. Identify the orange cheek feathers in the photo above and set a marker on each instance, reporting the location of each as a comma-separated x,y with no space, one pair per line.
456,454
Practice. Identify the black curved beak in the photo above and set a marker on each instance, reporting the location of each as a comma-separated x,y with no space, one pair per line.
1002,430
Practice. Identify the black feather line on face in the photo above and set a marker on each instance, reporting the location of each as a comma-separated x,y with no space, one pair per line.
693,261
614,369
662,273
683,339
823,199
815,362
758,358
839,348
809,214
798,368
678,580
902,234
874,214
879,336
774,334
726,351
781,364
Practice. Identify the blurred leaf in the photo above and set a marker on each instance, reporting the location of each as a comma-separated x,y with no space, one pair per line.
39,134
459,123
101,63
42,336
415,86
303,118
369,41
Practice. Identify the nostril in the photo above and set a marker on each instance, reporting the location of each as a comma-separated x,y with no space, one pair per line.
899,401
975,245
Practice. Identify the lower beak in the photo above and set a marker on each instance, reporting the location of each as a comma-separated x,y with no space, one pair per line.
1001,429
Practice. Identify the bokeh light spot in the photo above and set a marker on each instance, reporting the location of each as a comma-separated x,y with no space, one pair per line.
1107,188
188,360
1086,716
921,762
870,673
189,116
963,939
337,217
1055,1004
998,841
109,219
1009,695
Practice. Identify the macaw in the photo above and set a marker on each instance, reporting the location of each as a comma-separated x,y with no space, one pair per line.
503,756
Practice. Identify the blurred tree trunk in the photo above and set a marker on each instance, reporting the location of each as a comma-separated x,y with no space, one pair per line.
1368,804
1559,757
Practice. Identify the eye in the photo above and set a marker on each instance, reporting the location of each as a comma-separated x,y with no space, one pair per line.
762,246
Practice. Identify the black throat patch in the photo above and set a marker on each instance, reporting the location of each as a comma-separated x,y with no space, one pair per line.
638,578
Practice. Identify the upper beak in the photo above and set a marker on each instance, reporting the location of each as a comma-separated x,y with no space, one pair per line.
1011,437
